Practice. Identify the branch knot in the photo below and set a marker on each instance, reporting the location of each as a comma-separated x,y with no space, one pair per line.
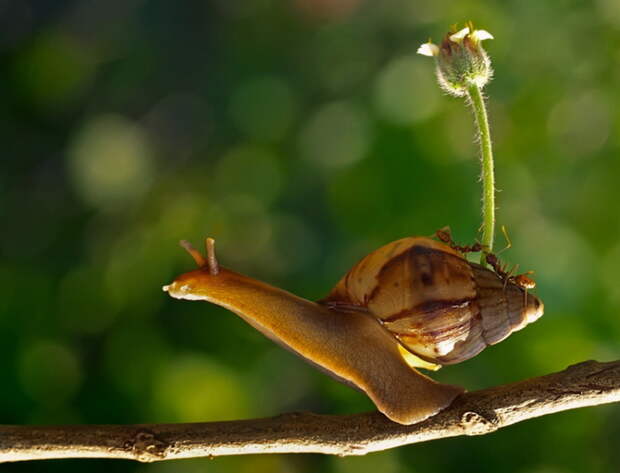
146,446
475,423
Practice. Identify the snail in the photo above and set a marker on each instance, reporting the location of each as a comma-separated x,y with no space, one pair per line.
413,303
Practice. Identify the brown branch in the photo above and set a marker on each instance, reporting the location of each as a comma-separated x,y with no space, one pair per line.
586,384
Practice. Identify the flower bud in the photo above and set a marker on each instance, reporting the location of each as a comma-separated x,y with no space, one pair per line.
461,60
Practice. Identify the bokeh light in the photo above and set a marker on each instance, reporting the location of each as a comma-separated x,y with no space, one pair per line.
264,108
50,372
55,70
338,134
194,387
406,92
581,124
110,161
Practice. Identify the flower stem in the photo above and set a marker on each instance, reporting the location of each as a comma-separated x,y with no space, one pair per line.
488,177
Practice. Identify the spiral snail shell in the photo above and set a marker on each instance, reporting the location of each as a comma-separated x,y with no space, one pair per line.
437,304
415,302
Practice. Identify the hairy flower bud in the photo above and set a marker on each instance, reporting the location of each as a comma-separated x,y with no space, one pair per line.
461,61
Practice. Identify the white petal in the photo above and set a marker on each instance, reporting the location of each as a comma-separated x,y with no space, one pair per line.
481,35
459,35
428,49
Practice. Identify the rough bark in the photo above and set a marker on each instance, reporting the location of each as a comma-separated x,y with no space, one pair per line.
586,384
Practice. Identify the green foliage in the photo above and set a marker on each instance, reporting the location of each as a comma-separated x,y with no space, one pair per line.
301,135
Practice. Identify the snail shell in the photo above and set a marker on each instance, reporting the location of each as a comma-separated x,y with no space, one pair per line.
438,305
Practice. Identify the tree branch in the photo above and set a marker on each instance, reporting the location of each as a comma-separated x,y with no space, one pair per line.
586,384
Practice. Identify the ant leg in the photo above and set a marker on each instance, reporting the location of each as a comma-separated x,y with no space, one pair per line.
508,242
509,275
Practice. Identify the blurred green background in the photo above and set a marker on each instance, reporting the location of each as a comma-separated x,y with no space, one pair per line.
301,135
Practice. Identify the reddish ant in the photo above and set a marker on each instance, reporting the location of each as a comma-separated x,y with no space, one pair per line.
521,280
445,236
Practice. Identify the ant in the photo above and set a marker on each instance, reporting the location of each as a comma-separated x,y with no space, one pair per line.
445,235
521,280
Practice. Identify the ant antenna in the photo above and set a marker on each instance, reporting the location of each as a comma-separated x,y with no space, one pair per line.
508,242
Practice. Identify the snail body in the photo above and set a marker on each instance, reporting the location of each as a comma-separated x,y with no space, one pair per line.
412,303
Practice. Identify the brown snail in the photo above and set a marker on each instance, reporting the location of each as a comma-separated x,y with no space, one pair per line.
415,302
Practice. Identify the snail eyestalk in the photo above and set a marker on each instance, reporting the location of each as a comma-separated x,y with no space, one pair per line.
214,267
198,258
